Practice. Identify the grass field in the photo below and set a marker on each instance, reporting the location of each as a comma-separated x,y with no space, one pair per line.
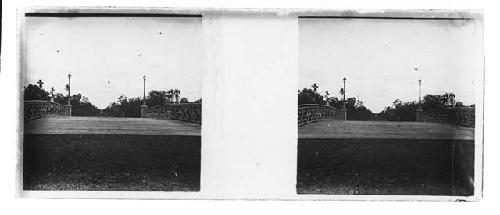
384,166
111,162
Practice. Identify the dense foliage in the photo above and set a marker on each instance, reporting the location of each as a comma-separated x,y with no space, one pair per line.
398,111
34,92
406,111
131,107
355,108
80,104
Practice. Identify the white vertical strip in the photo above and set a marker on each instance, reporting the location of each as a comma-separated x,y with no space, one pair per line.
479,103
249,145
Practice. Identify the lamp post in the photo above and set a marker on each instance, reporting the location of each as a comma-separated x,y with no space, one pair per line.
144,106
419,114
344,79
344,110
69,89
419,93
68,106
144,91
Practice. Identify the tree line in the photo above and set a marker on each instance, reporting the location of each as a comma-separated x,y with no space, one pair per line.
398,111
354,107
407,111
131,107
80,105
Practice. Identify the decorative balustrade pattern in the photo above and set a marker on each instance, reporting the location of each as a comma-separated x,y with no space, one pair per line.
313,113
186,112
462,116
36,109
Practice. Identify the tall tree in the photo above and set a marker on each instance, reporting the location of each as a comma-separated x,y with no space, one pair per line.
156,98
310,96
34,92
40,83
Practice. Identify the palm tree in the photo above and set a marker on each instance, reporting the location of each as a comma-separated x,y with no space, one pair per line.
314,86
40,83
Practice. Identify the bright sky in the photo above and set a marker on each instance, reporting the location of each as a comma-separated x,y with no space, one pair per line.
108,56
378,58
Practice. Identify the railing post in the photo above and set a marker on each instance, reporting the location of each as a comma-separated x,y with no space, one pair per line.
344,113
419,117
68,110
144,107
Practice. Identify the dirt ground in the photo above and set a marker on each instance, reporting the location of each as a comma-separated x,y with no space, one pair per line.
96,162
378,167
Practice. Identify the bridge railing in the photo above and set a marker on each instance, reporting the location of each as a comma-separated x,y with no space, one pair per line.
461,116
190,112
36,109
309,113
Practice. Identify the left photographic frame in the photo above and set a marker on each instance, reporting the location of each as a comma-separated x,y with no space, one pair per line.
110,101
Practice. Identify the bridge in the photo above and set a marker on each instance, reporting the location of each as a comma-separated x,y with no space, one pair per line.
160,151
111,125
316,121
432,156
44,117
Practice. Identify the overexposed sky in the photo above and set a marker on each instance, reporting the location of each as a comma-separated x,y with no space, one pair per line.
378,57
107,56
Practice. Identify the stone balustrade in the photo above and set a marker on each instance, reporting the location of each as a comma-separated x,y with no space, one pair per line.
36,109
461,116
313,113
190,112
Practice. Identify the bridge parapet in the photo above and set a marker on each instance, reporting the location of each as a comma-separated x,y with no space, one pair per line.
309,113
190,112
36,109
460,115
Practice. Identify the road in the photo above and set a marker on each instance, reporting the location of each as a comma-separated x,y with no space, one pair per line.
385,130
110,125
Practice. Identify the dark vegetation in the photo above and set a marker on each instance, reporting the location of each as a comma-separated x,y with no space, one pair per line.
111,162
406,111
80,104
131,107
398,111
355,108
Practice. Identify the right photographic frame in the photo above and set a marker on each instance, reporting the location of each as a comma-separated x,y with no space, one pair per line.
389,104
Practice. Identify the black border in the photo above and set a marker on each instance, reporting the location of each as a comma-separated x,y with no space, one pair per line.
111,15
384,17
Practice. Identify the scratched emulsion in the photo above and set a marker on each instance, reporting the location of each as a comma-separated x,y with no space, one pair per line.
364,166
103,162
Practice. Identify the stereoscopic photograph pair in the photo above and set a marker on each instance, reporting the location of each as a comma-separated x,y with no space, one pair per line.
373,104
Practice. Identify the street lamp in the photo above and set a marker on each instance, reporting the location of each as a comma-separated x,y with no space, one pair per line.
69,89
344,79
144,91
419,93
419,112
144,106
